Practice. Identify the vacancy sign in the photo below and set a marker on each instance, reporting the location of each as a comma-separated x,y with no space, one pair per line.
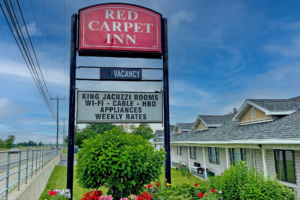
119,27
120,73
119,107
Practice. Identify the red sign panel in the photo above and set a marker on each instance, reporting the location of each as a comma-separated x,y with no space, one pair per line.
119,27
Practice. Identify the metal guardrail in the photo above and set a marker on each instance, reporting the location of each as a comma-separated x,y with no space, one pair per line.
41,158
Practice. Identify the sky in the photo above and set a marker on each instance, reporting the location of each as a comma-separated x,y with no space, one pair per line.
220,53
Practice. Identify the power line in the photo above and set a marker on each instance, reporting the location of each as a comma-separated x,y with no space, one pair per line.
26,52
51,90
64,46
49,45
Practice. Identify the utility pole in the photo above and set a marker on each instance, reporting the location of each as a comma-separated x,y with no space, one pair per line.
57,99
64,143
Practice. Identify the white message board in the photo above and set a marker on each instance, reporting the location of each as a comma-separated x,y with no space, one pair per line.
119,107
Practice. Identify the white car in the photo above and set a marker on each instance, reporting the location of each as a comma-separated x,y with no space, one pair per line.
14,150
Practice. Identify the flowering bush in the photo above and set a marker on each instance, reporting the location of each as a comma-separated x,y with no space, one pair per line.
144,196
109,197
59,194
122,162
93,195
185,191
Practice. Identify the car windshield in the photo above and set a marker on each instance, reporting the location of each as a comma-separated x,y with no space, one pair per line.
14,149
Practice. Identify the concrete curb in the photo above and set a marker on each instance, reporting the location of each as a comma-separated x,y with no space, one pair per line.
35,186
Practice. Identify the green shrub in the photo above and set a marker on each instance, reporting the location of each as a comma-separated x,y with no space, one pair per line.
258,187
244,182
120,161
233,181
214,181
184,171
180,192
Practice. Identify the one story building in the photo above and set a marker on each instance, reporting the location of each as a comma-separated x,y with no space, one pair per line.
263,132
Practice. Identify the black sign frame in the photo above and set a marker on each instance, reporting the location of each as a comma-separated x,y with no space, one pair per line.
72,98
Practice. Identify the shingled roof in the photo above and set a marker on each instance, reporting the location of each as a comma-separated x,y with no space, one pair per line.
277,104
185,126
159,132
211,120
287,127
270,106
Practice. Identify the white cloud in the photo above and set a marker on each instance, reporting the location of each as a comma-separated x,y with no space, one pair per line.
180,16
19,69
290,50
31,28
291,26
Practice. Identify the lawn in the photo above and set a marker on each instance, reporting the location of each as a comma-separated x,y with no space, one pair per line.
58,180
23,148
178,179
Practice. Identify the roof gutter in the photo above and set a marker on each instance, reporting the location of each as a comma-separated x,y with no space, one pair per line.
271,141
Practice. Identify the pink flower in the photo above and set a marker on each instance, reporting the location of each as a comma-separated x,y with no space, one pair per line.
109,197
124,199
132,197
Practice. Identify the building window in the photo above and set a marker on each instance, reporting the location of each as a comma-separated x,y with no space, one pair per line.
179,150
192,152
253,113
213,155
237,155
285,165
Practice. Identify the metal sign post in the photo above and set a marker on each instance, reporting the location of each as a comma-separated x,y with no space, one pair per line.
166,100
70,164
146,37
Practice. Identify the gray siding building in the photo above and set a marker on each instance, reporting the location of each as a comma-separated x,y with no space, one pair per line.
263,132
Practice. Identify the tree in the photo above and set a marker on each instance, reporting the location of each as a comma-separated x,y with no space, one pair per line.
120,161
101,128
9,142
143,130
1,143
40,144
172,127
83,134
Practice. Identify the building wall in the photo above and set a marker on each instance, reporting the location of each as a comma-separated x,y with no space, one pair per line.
203,126
258,159
184,156
272,169
178,131
258,115
218,169
174,157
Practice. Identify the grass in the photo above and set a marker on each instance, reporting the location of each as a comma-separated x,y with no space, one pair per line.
22,148
58,180
4,149
178,179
